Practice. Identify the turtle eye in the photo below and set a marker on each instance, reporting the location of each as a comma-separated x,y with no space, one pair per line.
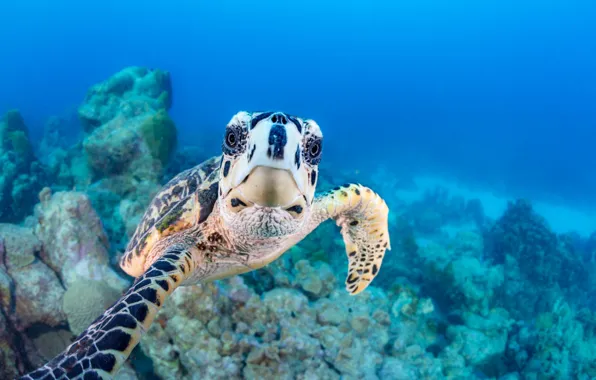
314,148
233,140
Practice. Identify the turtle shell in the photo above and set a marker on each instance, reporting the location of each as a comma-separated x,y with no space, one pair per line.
185,201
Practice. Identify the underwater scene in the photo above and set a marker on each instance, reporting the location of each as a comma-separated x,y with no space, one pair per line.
298,189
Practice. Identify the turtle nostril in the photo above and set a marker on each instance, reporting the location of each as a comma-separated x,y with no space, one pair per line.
279,118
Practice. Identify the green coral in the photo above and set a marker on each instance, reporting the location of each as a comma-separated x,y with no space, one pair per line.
14,136
14,121
19,143
160,135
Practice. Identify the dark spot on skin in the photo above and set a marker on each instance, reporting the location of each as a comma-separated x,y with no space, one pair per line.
378,246
174,278
114,340
177,190
68,363
313,177
192,185
207,200
252,152
297,157
297,209
235,202
226,169
269,152
352,279
149,294
58,372
92,375
296,123
255,120
343,193
117,308
120,320
357,191
141,284
346,185
354,223
352,254
278,140
385,245
366,271
139,311
164,266
375,269
75,371
336,188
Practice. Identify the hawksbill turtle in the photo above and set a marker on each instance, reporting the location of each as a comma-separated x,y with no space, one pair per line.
229,215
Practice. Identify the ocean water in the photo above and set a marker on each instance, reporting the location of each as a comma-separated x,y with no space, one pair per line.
485,100
500,92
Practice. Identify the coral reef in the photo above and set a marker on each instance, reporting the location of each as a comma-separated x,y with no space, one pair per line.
539,265
130,139
21,175
460,296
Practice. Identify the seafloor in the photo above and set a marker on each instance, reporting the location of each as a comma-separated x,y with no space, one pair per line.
463,294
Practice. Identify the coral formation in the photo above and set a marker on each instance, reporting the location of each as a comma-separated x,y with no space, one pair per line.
21,175
73,233
86,300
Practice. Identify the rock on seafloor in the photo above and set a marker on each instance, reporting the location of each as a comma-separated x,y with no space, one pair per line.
44,267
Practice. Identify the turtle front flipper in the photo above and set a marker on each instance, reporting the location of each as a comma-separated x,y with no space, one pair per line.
101,350
362,215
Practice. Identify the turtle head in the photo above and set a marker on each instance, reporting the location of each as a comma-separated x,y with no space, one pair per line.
269,171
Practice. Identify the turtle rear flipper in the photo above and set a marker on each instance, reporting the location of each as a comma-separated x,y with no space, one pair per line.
102,349
363,217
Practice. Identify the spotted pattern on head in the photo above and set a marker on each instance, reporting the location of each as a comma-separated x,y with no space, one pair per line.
273,139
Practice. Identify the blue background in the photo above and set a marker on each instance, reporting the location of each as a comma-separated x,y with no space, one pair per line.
495,92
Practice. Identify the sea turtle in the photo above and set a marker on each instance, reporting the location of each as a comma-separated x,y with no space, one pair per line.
231,214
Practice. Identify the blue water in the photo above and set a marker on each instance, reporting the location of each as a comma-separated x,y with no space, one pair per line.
501,93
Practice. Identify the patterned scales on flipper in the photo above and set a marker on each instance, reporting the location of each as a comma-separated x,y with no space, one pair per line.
176,207
363,218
